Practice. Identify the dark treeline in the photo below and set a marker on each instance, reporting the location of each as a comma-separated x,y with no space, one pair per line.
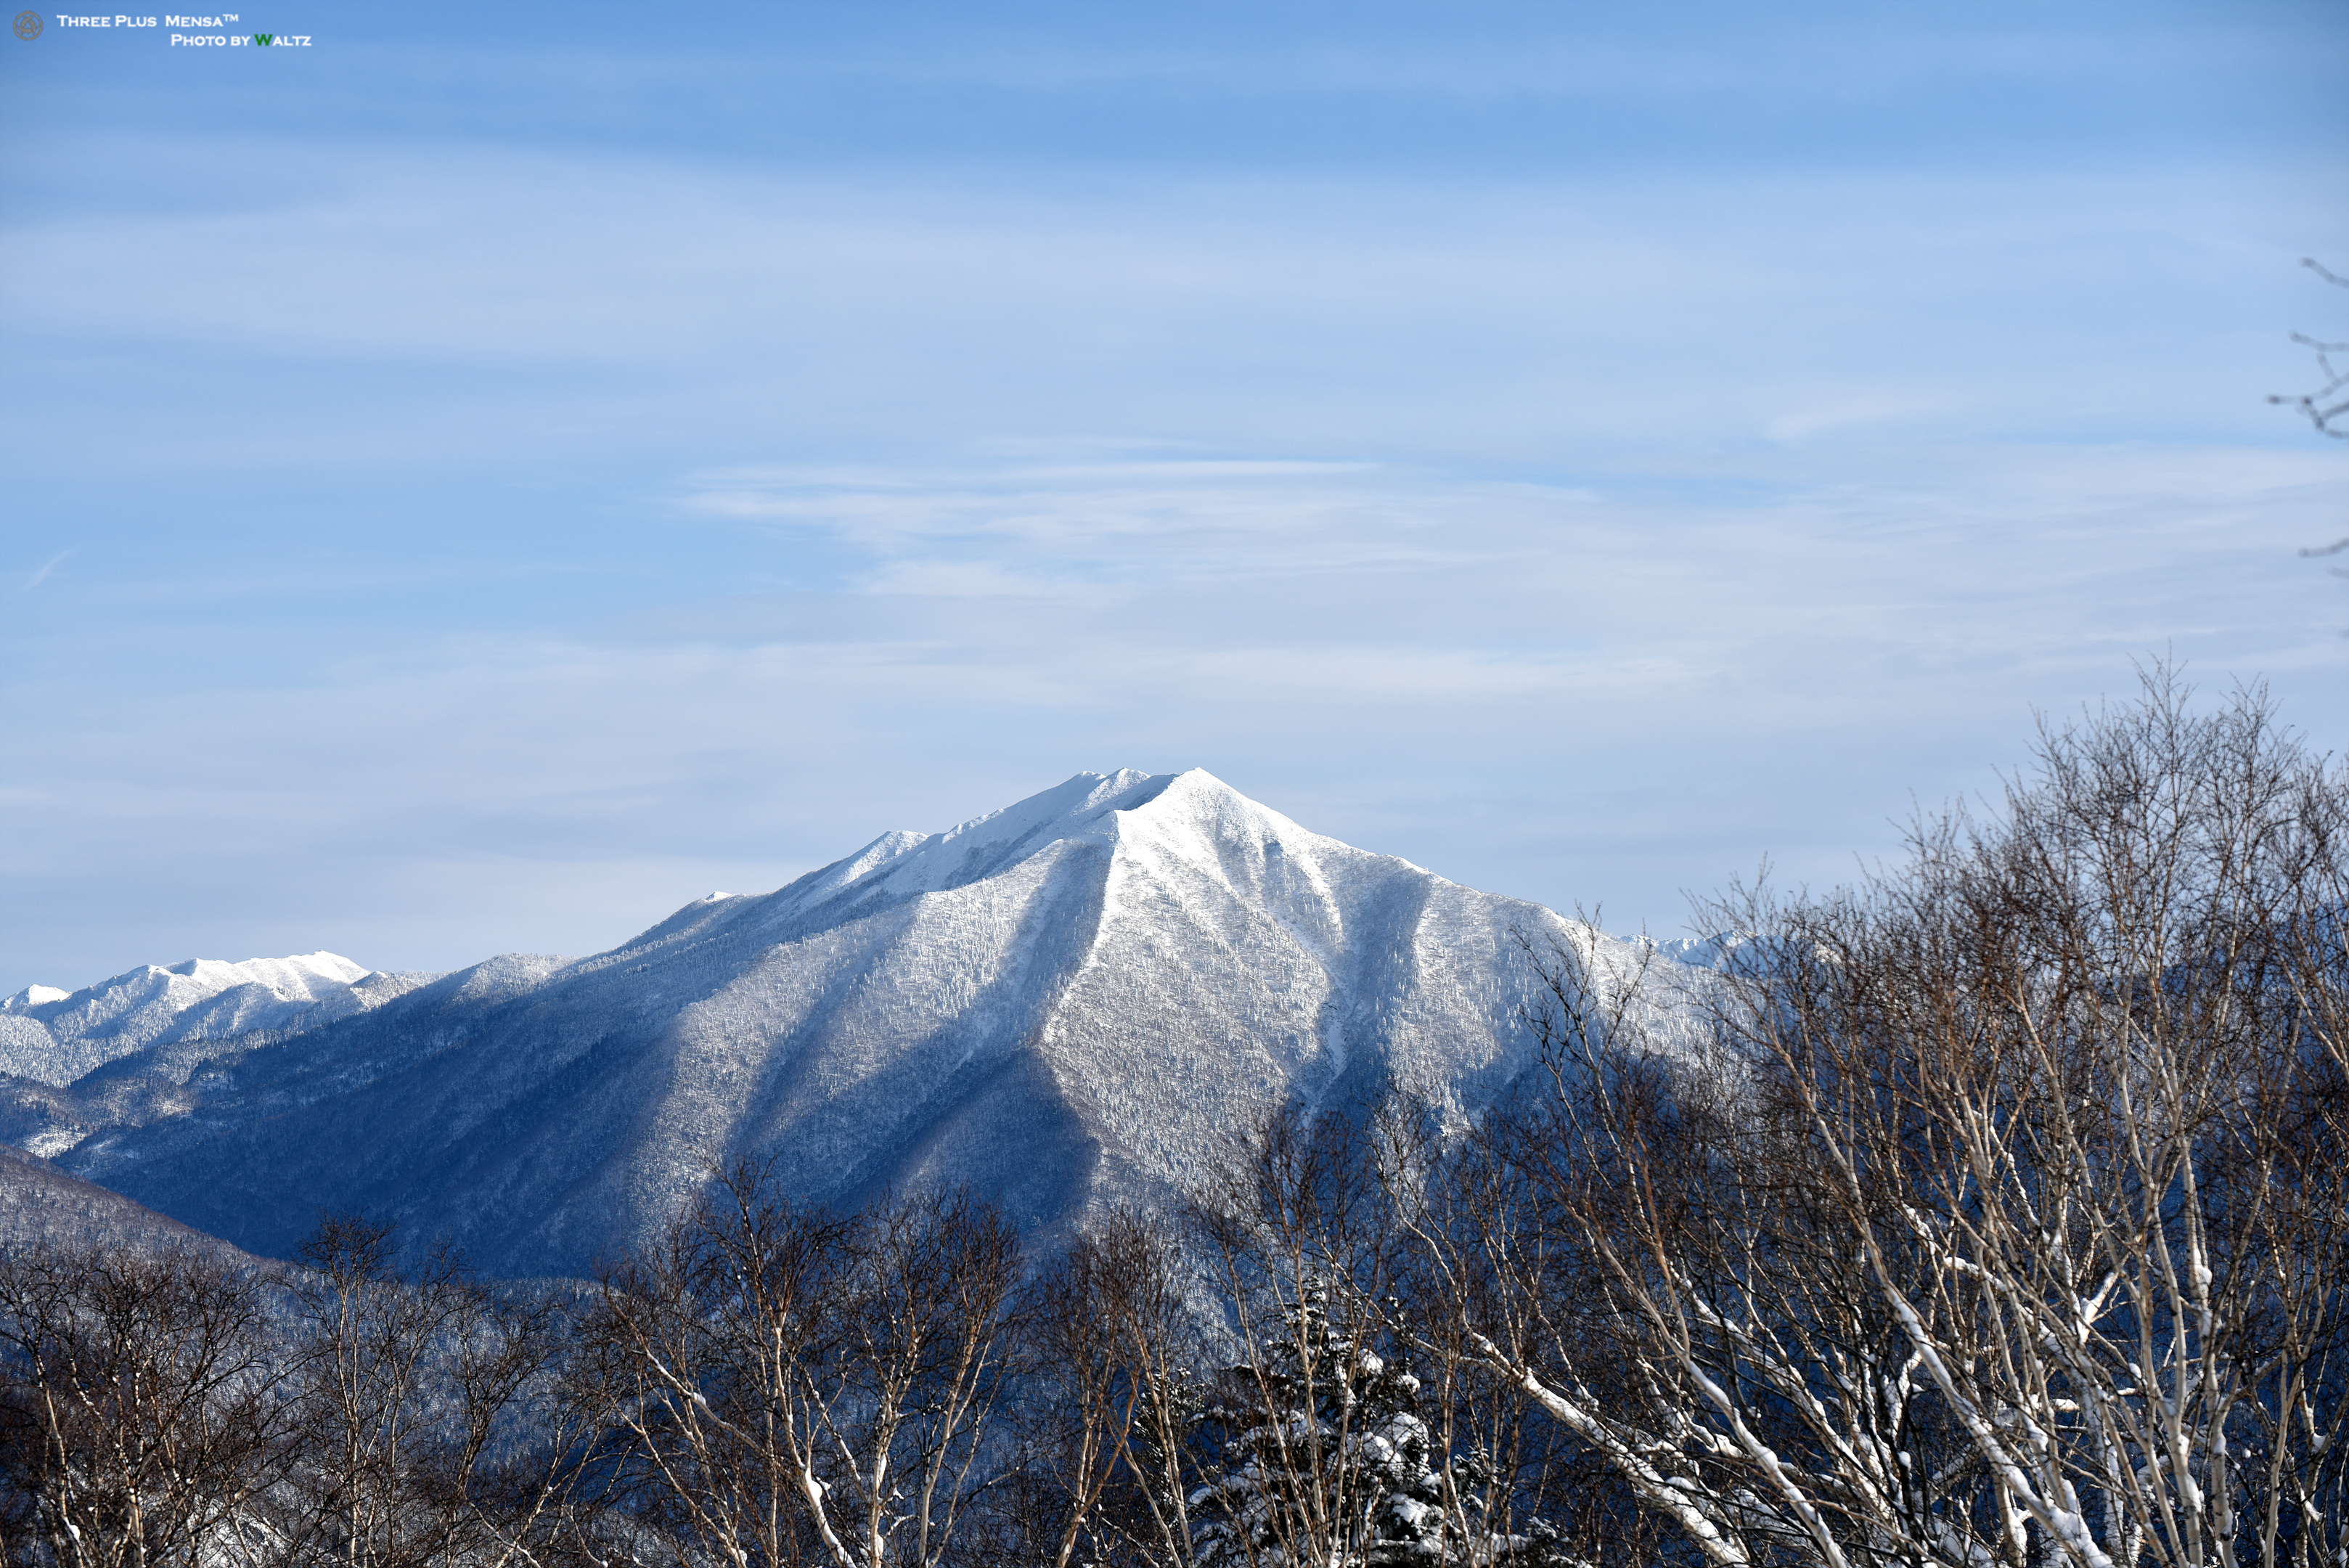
1996,1213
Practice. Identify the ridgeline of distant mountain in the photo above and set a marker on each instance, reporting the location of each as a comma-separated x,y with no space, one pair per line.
52,1036
1072,1001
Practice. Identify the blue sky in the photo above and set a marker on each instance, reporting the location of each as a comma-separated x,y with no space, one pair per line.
482,480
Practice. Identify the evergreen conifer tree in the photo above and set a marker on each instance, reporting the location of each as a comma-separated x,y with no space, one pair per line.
1323,1459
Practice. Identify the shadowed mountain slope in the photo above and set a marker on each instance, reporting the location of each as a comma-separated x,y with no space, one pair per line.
41,1205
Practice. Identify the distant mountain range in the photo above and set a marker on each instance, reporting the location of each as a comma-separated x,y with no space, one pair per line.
53,1036
1073,1001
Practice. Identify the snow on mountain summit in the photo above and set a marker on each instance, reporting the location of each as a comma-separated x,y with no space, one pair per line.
1072,1001
53,1036
904,863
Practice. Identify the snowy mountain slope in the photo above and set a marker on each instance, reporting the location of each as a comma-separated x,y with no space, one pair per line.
41,1204
1072,1001
54,1038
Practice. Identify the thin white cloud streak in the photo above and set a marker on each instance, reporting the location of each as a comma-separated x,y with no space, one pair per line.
1104,521
48,569
1966,520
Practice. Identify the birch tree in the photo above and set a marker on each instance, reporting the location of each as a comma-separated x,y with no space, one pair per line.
427,1428
1997,1216
793,1386
139,1417
1103,1470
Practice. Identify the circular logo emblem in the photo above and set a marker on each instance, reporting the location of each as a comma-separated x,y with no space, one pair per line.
29,24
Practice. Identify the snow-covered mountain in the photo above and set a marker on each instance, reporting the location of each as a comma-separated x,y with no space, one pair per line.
53,1036
1072,1001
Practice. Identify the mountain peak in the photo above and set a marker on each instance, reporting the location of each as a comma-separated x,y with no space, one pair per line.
904,864
1070,1001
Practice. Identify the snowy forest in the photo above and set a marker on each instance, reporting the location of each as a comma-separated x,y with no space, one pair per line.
1994,1211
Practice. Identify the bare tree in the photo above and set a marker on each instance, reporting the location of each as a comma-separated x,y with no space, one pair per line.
1108,1403
2325,407
1999,1214
430,1431
1489,1245
138,1418
794,1386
